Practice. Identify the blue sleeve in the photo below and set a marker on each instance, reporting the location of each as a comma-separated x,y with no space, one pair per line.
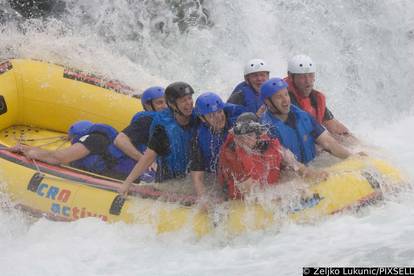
138,131
233,111
318,129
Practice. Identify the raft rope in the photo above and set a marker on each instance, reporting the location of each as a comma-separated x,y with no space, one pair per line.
53,139
60,137
63,139
37,167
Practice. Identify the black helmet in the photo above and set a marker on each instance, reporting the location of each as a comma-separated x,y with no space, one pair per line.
246,123
177,90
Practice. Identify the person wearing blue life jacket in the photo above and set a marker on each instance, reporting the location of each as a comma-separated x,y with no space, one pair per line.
134,138
170,138
247,93
92,150
296,129
216,119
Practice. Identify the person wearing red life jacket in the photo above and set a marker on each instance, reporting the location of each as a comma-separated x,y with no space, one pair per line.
250,158
301,79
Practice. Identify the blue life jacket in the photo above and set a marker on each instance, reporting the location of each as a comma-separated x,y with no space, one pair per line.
142,147
113,158
252,100
298,140
210,143
233,111
175,163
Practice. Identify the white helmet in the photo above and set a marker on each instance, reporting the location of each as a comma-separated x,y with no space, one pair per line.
255,65
301,64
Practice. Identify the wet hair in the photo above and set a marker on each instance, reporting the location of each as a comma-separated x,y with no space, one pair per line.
246,123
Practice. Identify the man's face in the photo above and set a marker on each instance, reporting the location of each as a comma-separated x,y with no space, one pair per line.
217,120
304,83
185,105
281,100
257,79
159,104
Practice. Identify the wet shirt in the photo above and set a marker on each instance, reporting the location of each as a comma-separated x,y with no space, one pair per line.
197,158
159,141
139,131
96,143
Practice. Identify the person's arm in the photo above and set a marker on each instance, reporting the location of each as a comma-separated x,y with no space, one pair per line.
328,115
198,182
336,127
123,142
146,160
330,144
197,167
246,186
135,134
158,145
289,160
57,157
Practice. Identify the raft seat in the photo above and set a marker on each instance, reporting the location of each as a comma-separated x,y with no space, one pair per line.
33,136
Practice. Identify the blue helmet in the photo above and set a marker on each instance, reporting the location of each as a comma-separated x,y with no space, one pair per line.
79,128
152,93
271,86
208,102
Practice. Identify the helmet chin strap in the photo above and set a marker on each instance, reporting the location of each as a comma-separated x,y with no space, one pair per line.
145,106
152,106
210,125
176,109
277,111
206,121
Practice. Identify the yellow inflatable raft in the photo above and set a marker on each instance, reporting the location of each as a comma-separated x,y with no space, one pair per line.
39,101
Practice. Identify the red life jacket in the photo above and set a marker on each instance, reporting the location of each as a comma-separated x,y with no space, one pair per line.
237,165
317,110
